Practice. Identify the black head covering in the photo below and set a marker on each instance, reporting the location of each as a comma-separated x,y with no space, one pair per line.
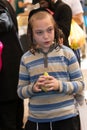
34,11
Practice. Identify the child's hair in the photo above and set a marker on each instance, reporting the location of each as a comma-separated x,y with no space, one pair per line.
33,16
61,34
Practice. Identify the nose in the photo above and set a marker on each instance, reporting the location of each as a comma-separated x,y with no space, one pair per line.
45,35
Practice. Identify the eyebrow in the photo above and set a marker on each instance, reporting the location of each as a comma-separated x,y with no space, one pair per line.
51,26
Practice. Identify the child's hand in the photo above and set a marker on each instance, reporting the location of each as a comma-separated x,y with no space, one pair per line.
51,84
46,83
40,82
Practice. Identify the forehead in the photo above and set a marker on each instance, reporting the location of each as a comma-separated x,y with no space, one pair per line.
41,17
42,23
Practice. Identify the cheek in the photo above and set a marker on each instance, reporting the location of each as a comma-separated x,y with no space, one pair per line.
53,36
37,38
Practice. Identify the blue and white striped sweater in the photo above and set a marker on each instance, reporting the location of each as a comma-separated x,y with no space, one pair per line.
54,105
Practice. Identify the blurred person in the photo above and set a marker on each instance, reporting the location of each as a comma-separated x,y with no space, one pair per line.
63,17
11,106
20,6
82,3
77,11
49,77
12,2
77,15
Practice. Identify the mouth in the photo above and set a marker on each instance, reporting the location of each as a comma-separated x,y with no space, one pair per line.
47,42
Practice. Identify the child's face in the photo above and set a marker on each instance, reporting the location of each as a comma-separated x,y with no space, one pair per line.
43,33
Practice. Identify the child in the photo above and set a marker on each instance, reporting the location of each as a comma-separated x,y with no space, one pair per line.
53,107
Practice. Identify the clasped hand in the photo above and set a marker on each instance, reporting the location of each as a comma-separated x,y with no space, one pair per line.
48,82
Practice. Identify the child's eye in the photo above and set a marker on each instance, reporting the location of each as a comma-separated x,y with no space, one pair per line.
49,30
39,32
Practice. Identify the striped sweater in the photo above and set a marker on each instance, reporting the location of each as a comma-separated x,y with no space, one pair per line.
54,105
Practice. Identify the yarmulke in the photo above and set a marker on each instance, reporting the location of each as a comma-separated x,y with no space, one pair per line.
34,11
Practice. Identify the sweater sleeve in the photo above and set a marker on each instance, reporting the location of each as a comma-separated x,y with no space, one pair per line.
75,84
24,86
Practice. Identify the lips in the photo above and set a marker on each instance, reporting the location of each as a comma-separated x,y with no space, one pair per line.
48,42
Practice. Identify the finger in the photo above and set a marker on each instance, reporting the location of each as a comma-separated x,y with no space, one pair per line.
50,89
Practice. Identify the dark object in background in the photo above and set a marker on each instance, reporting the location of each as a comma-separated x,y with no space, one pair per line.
24,42
11,116
35,1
